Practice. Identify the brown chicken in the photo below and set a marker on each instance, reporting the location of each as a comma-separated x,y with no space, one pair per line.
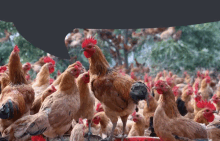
18,96
205,90
206,114
167,33
118,94
57,110
37,65
168,123
39,99
186,97
149,110
106,125
77,134
43,77
213,130
138,127
156,95
7,35
216,101
59,78
87,99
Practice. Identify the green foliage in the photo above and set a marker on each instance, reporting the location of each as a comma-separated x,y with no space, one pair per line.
198,47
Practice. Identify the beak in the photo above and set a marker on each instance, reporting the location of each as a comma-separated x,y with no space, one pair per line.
83,50
153,88
215,112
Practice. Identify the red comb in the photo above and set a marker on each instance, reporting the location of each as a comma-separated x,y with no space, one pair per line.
198,74
53,88
28,77
51,80
58,72
160,74
16,49
214,96
185,72
133,114
78,63
175,90
38,138
3,69
169,80
28,64
80,121
208,79
98,105
76,67
49,60
89,41
205,104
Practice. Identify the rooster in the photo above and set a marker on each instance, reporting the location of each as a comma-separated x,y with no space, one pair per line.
18,96
167,121
118,94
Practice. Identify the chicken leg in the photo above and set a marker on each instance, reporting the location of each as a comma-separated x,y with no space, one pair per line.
7,110
112,133
89,133
124,121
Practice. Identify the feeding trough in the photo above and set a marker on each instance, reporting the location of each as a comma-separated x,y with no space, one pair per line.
141,138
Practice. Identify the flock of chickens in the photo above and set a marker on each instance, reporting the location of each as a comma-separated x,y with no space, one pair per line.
104,103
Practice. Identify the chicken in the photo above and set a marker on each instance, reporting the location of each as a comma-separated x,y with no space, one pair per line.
216,101
56,113
99,108
149,110
106,124
167,121
213,130
177,35
42,83
138,127
87,99
7,36
18,96
26,67
133,76
177,79
39,99
4,81
77,134
43,77
206,114
118,94
167,33
37,65
156,95
59,78
187,77
205,89
186,97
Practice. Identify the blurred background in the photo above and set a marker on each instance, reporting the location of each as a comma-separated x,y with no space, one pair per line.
149,50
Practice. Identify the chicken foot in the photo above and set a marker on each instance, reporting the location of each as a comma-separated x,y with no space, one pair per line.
7,110
112,133
89,133
124,121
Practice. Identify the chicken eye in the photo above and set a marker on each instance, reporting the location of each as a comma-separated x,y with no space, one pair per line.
50,91
137,115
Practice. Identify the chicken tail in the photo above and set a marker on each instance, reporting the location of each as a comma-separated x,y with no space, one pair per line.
139,91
